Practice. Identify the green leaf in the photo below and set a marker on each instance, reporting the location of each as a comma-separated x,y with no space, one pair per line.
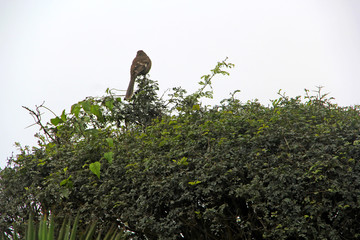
95,109
86,105
110,141
56,121
63,116
183,161
67,182
109,156
50,233
64,192
63,182
194,183
75,109
31,233
74,228
196,107
42,229
62,229
95,168
91,231
110,104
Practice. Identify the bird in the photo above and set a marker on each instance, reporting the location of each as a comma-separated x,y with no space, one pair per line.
140,66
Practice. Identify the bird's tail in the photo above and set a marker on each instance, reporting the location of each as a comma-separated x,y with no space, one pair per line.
130,89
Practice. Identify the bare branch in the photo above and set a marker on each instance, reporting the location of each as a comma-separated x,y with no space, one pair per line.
37,118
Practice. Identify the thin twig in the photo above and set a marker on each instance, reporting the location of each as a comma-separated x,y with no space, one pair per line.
37,118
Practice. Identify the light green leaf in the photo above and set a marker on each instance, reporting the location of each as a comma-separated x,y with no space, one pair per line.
194,183
95,168
56,121
109,156
196,107
110,141
63,116
183,161
63,182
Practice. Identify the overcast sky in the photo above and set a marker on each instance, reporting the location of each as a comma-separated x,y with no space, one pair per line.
61,51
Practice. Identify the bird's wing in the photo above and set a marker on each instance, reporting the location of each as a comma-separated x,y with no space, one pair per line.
140,66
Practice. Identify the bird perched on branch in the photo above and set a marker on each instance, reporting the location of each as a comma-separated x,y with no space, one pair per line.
140,66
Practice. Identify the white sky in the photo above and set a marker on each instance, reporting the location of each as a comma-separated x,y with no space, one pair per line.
61,51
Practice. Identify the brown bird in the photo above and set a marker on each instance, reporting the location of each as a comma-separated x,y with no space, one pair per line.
140,66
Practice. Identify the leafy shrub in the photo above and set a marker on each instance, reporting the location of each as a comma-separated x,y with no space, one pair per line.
176,169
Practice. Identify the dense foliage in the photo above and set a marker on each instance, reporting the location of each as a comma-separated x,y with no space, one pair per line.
176,169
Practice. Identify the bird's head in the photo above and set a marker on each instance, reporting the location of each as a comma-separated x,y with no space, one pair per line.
140,53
